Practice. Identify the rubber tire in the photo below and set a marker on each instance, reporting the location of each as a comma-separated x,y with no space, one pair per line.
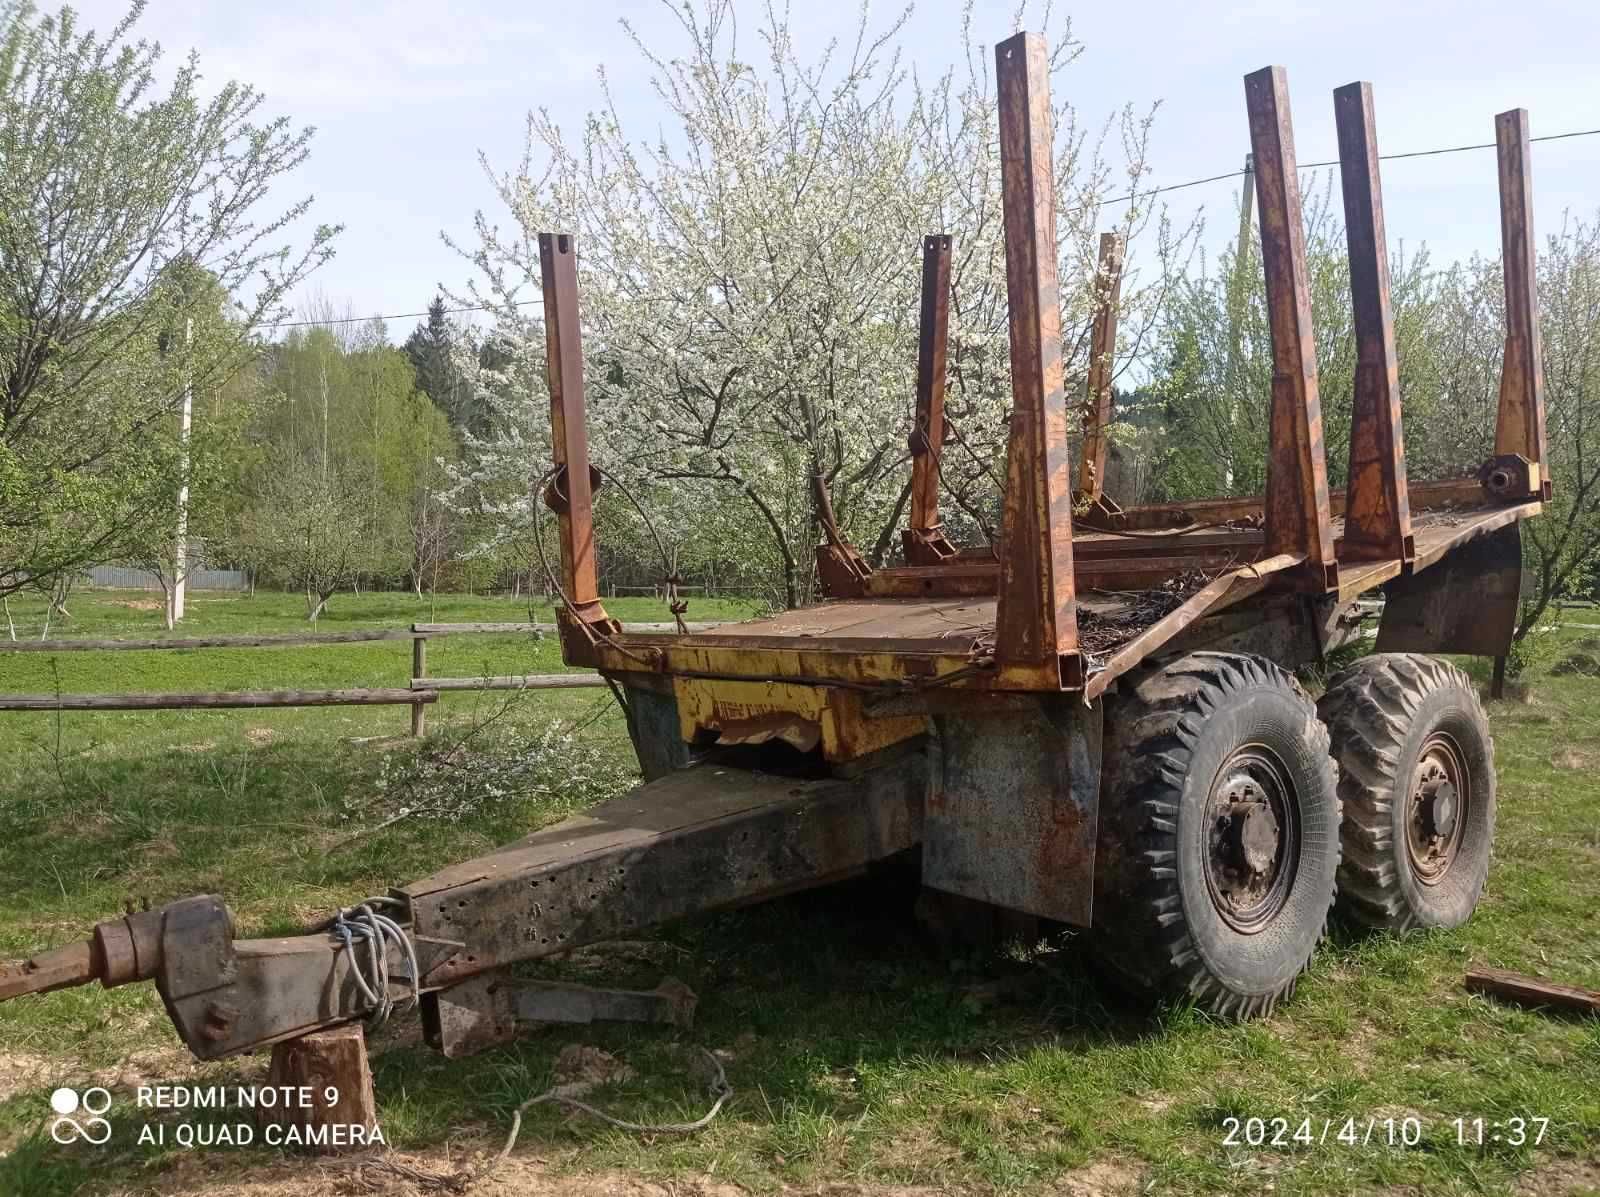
1169,731
1379,713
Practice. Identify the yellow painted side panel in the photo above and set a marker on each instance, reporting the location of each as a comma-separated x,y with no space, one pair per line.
748,712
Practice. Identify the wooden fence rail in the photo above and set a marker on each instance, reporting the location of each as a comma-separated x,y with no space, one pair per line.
290,640
530,681
418,694
214,700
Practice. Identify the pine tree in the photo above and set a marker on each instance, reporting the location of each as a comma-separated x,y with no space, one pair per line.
429,348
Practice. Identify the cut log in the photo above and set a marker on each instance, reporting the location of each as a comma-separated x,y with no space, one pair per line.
324,1085
1532,991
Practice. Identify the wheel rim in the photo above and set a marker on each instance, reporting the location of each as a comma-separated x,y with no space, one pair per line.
1252,838
1437,808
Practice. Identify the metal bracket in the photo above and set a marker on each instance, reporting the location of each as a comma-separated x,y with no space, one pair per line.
492,1009
1511,478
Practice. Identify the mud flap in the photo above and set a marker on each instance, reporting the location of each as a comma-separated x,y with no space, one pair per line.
1466,603
1013,800
653,727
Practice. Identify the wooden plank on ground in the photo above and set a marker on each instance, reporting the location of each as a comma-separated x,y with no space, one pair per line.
1532,991
222,700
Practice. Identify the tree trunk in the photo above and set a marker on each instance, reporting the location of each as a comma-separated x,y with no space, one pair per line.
322,602
330,1069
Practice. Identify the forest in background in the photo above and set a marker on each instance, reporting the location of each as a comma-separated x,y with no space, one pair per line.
749,313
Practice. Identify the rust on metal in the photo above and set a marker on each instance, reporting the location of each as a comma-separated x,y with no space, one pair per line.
59,968
571,493
1013,803
1102,353
1218,593
841,569
1298,518
924,540
493,1008
1036,633
701,838
1519,427
805,717
1377,507
1467,603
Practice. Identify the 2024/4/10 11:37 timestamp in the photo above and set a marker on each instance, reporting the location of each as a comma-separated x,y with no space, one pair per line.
1513,1132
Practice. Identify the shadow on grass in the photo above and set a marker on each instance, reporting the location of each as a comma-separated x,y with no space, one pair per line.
812,1001
802,997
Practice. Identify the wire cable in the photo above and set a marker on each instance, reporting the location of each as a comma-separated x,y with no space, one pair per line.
1121,199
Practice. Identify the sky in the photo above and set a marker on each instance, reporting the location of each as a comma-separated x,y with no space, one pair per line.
406,94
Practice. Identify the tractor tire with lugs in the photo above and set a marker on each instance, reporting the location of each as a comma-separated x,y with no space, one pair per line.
1416,770
1219,833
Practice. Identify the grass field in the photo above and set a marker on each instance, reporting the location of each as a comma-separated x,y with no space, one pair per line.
861,1058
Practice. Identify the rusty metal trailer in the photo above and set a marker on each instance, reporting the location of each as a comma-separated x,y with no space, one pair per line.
1091,721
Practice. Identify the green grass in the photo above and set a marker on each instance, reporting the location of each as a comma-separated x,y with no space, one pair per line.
857,1053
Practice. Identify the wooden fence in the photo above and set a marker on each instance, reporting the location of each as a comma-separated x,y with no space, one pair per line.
418,694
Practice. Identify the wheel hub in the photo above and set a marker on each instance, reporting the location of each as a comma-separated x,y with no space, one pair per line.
1437,809
1252,845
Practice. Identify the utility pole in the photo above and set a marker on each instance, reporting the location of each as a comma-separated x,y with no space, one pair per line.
180,555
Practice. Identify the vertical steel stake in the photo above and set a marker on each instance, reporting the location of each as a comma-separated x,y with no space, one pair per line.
924,540
1102,357
571,492
1036,627
1377,522
1519,427
1298,519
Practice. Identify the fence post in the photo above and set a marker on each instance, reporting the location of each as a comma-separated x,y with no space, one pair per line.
419,668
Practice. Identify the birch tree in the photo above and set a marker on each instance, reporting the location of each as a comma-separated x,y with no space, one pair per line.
107,182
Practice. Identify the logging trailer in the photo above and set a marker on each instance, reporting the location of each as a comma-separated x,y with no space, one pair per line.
1092,721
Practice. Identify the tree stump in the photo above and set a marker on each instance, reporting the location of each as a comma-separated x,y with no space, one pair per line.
323,1092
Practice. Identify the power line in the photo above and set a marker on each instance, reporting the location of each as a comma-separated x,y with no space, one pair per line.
1121,199
1233,174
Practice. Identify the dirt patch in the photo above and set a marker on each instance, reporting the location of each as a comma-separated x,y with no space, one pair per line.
580,1068
139,604
20,1071
260,736
1560,1178
514,1178
1103,1178
164,1065
1573,758
201,746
